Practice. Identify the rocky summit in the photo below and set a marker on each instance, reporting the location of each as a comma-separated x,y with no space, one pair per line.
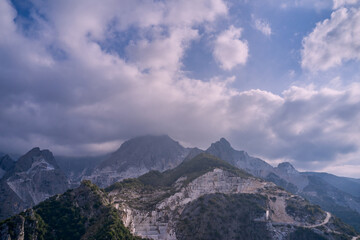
32,178
138,156
202,198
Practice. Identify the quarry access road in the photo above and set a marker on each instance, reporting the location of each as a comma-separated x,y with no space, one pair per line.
326,220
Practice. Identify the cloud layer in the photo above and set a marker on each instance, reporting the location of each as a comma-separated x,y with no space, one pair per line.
80,85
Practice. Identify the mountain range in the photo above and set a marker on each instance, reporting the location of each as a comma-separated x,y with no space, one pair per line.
36,176
202,198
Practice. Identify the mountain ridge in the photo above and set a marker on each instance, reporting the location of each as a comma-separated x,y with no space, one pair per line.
190,193
138,156
33,178
339,199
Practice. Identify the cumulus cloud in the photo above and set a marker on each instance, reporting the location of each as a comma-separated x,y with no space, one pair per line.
229,50
89,87
333,41
263,26
316,127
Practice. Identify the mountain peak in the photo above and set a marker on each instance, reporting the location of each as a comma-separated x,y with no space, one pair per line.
148,143
6,162
34,151
224,141
222,145
140,155
149,140
26,161
287,167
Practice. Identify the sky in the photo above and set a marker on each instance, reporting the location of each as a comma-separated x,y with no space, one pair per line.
277,78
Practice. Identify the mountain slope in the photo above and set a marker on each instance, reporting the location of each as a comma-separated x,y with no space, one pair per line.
348,185
255,166
82,213
77,167
211,199
138,156
33,178
330,192
203,198
6,164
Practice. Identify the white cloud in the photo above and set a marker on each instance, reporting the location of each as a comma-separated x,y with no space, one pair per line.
182,12
164,52
229,50
341,3
333,41
310,4
263,26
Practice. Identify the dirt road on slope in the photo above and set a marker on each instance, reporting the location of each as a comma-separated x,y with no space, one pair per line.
326,220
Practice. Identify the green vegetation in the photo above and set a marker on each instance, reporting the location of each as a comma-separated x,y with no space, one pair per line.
82,213
113,229
147,195
339,226
63,219
129,184
221,216
305,234
154,186
331,204
191,169
303,210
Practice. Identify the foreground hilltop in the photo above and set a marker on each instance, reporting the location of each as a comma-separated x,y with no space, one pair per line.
202,198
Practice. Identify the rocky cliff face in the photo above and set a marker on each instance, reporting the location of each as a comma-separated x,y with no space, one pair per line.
34,177
138,156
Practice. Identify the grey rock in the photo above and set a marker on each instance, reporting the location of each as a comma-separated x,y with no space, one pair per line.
255,166
34,177
138,156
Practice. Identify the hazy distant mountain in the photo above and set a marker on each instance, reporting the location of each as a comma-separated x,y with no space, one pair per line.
138,156
348,185
77,167
6,164
33,178
202,198
331,198
223,150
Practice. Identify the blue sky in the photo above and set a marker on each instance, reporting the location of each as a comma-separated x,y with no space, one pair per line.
277,78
